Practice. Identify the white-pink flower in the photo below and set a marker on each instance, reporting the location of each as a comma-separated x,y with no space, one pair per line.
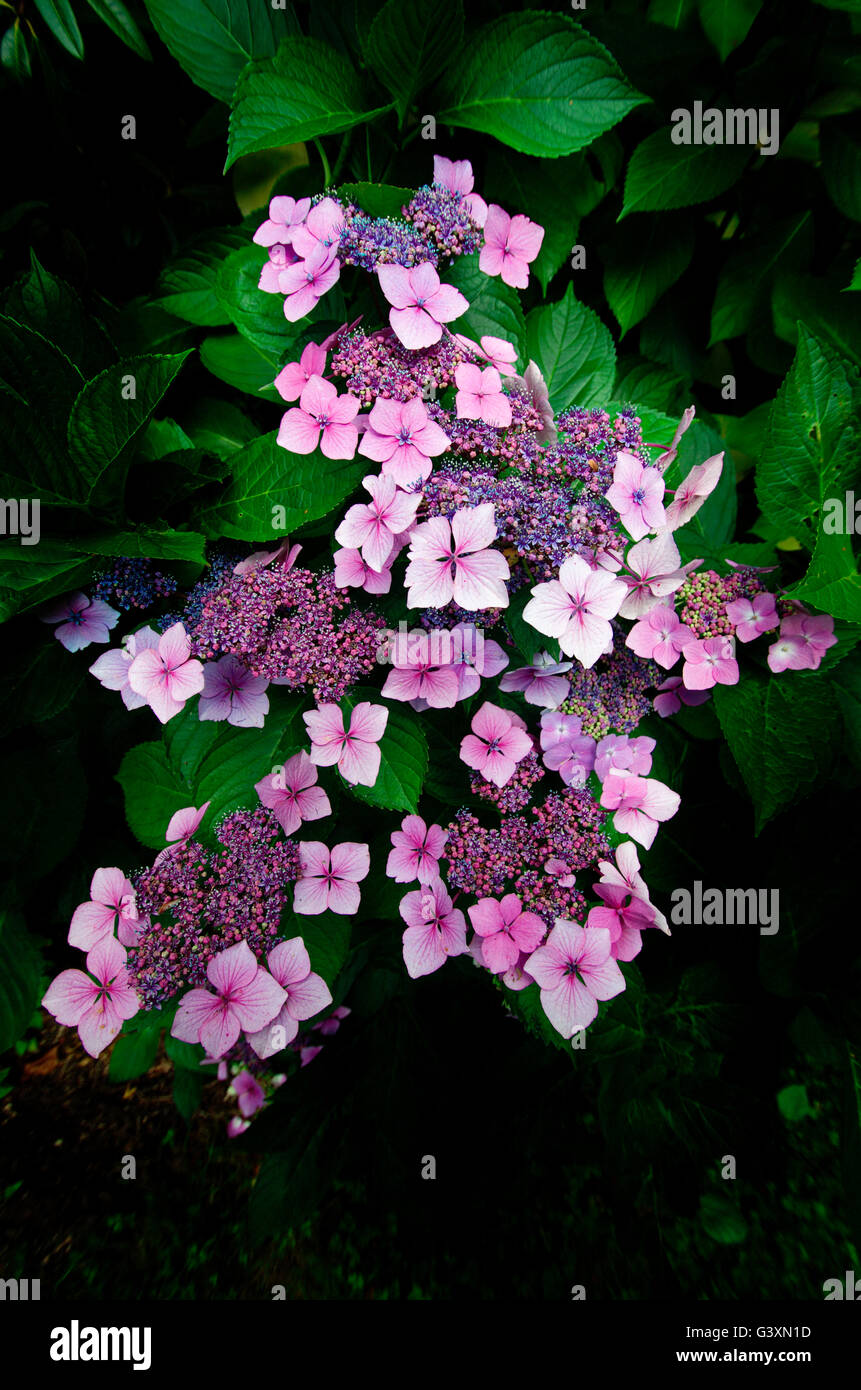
292,793
421,305
480,396
636,494
98,1003
245,999
290,966
498,742
456,175
510,244
167,675
305,282
374,527
352,571
231,692
417,850
655,571
330,879
660,636
292,379
452,560
708,663
574,970
750,617
576,609
354,751
285,215
81,621
181,827
321,229
692,492
111,669
321,417
435,929
640,803
112,901
401,436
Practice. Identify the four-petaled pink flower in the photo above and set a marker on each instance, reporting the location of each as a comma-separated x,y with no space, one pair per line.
111,669
418,676
456,175
97,1004
498,742
401,436
710,662
656,571
245,999
324,417
355,750
180,828
619,753
285,215
417,850
231,692
321,229
543,683
573,970
250,1096
625,873
510,244
624,917
566,749
692,492
480,396
373,527
497,351
421,305
307,281
307,993
640,803
750,617
576,609
802,642
112,900
451,560
505,931
330,878
82,621
292,379
660,636
435,929
352,571
636,494
292,793
672,695
167,675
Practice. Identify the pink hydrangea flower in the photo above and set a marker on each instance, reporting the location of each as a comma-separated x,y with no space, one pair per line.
672,695
111,669
456,175
285,215
576,609
321,229
510,245
244,998
625,873
231,692
81,621
329,1025
284,556
435,929
292,379
710,662
636,493
292,793
417,850
498,742
421,305
250,1095
574,969
112,901
640,804
351,571
655,572
321,417
305,282
619,753
98,1003
452,560
167,675
802,642
543,683
307,994
354,751
416,677
374,527
566,749
692,492
401,436
330,878
660,636
474,661
664,459
180,828
506,931
624,917
480,396
750,617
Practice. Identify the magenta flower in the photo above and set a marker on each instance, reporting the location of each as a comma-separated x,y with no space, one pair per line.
231,692
112,901
330,879
374,527
660,636
619,753
293,794
474,660
417,851
166,676
351,571
321,229
416,677
421,305
480,396
496,745
576,608
506,931
354,751
245,999
180,828
543,683
284,556
401,436
625,873
655,572
305,282
636,494
692,492
452,560
566,749
97,1004
456,175
672,695
270,275
111,669
640,804
251,1097
285,215
573,970
321,417
510,244
802,642
292,379
307,993
708,663
435,929
750,617
82,621
624,917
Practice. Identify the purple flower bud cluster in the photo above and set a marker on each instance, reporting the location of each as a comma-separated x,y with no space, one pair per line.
517,791
377,365
703,597
220,566
472,439
132,583
589,445
611,696
443,217
367,242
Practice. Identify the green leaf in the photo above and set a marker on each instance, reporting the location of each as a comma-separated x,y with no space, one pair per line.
60,19
722,1220
232,358
403,756
846,684
114,14
832,583
258,316
767,722
663,175
265,476
327,941
40,685
727,22
822,306
38,373
639,268
408,45
214,39
46,303
188,282
376,199
793,1104
153,792
494,307
219,427
306,90
136,1048
841,169
20,972
187,1091
742,294
538,82
574,350
855,282
15,52
145,544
